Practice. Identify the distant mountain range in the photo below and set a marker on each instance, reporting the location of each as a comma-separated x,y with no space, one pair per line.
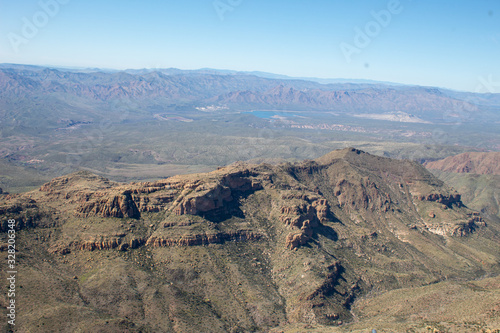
176,71
63,88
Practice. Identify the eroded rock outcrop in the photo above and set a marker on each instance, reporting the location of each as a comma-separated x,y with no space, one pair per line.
446,199
89,244
131,244
460,228
120,205
322,209
96,244
201,198
155,202
296,239
295,215
203,239
302,213
123,243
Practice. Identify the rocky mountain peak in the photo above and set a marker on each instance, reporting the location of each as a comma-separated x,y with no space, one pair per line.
339,154
263,244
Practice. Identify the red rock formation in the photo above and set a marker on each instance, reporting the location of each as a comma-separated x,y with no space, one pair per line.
109,243
97,244
322,209
131,244
153,203
203,239
201,197
296,239
296,214
309,213
120,206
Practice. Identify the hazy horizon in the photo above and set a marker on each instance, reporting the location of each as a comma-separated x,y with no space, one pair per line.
454,47
321,80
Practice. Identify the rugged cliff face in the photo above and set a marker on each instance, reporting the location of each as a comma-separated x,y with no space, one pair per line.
476,176
243,248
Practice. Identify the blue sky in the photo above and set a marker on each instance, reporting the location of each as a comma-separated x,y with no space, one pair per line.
447,43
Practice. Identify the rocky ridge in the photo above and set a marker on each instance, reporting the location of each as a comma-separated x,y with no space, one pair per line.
318,234
476,176
477,163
